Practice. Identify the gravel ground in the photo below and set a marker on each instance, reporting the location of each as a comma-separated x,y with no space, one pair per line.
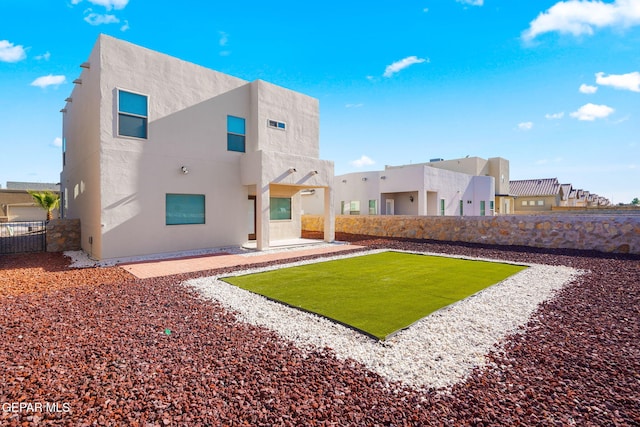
99,347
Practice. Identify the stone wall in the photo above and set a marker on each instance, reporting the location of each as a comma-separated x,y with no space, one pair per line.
604,233
63,235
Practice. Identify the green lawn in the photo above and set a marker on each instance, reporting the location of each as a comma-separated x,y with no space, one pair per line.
377,294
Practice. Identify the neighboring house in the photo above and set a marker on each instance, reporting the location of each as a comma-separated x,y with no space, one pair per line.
539,195
416,189
536,195
497,167
16,204
161,156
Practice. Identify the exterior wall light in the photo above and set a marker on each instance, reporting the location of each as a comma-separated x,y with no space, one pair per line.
383,177
344,181
364,178
292,170
314,172
184,170
411,199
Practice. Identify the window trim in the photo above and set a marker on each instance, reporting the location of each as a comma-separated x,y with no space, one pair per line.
119,113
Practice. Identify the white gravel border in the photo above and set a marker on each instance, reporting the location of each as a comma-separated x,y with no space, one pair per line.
435,352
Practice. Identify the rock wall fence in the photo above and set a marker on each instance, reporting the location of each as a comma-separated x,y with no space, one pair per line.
604,233
63,235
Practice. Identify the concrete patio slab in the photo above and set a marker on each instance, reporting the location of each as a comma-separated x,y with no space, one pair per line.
168,267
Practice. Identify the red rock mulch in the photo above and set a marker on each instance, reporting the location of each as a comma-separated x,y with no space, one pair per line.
104,348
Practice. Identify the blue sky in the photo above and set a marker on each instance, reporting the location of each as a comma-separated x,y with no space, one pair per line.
552,86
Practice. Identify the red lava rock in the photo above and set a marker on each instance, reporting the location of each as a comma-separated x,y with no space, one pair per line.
95,339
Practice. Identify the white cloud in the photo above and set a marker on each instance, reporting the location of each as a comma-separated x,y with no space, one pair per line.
100,19
554,116
10,52
588,89
402,64
525,126
44,57
107,4
49,80
224,38
471,2
629,81
353,105
125,26
579,17
590,112
362,162
57,142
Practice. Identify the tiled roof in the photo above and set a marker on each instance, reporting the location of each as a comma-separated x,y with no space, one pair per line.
535,187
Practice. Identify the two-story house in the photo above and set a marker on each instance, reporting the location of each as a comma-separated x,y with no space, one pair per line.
162,155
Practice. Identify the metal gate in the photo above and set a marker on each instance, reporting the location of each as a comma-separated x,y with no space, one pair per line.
27,236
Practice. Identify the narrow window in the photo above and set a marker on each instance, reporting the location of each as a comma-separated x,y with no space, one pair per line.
185,209
132,114
441,207
276,124
482,208
373,207
280,208
461,208
355,207
236,134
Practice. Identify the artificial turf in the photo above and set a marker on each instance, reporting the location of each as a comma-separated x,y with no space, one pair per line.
377,294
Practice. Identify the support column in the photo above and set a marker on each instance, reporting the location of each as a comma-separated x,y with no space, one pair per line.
422,202
329,216
263,209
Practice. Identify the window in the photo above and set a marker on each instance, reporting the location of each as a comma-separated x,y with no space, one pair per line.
184,209
491,206
532,202
276,125
373,207
441,207
280,208
540,202
482,208
354,207
524,203
236,134
343,207
461,208
132,114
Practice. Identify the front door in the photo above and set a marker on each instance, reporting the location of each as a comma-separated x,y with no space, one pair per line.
389,207
251,216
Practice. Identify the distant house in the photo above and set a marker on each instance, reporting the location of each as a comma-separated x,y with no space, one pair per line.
162,156
418,189
536,195
539,195
16,204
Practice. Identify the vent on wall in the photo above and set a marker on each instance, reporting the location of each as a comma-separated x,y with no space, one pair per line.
276,125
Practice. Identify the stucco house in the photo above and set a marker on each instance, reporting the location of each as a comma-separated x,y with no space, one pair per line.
162,155
415,189
16,204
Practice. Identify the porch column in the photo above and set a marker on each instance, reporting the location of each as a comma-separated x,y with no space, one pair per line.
422,202
263,209
329,216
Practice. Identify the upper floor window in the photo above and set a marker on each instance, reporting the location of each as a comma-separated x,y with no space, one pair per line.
132,114
236,134
276,124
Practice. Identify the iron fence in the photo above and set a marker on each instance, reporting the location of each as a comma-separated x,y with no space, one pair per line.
24,236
